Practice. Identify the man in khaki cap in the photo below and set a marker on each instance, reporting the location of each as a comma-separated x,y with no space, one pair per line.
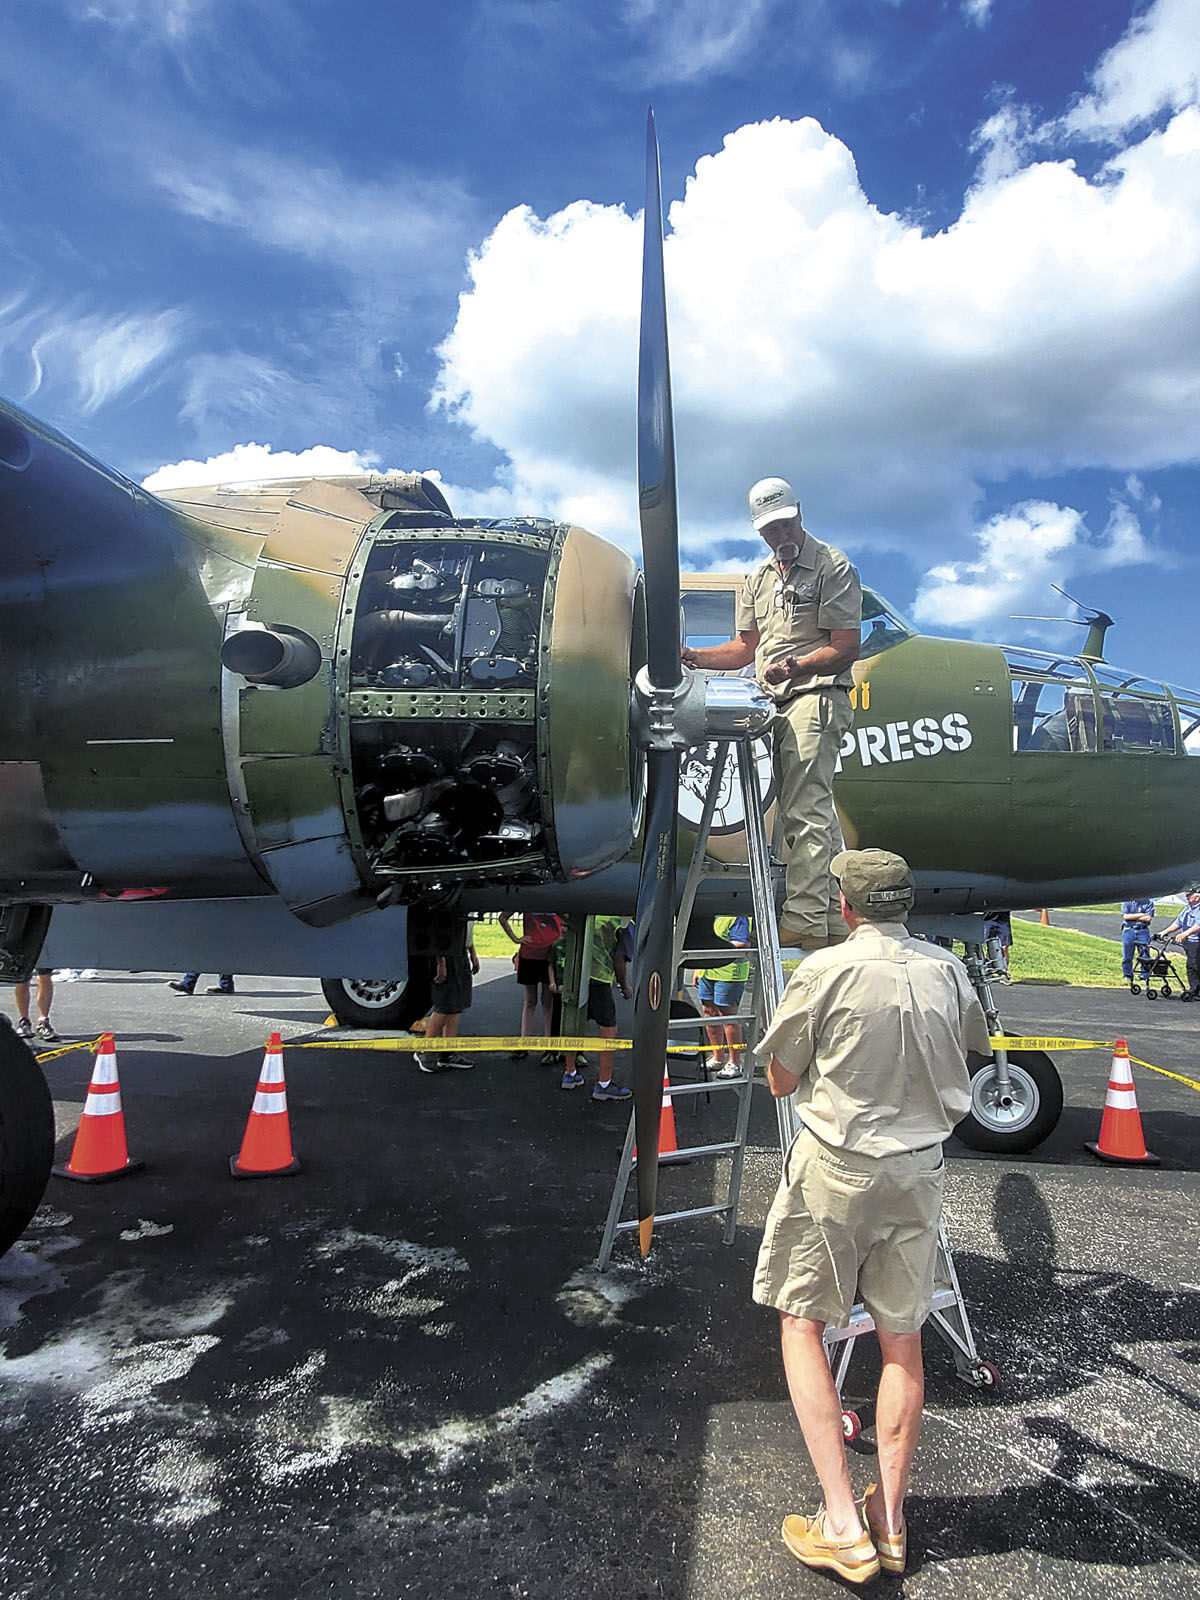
871,1038
799,619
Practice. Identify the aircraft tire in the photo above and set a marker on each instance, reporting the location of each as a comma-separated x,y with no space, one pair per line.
1032,1115
379,1002
26,1136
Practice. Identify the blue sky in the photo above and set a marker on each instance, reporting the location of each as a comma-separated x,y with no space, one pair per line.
939,263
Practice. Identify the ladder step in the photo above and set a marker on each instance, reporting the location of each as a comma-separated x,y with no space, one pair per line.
680,1024
698,1150
703,1086
678,1216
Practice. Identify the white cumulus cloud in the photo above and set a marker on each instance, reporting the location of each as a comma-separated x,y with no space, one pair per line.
893,374
1154,67
258,463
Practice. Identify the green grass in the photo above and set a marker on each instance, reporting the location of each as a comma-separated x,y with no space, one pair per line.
1039,955
1058,955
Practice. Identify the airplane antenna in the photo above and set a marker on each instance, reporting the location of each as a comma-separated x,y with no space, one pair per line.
1096,622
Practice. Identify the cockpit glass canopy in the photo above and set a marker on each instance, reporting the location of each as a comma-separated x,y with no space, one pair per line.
1069,704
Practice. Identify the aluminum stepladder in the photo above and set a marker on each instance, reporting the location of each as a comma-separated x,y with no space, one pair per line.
765,992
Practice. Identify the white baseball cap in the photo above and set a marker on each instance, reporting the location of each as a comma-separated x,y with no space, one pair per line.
770,500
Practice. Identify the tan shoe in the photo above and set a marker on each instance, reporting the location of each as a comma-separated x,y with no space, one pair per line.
892,1548
809,1541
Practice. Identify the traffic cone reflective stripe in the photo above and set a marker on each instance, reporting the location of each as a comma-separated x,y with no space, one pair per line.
100,1151
267,1144
667,1142
1121,1137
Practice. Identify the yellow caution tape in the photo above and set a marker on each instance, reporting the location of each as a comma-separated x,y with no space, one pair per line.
1009,1041
417,1041
1191,1082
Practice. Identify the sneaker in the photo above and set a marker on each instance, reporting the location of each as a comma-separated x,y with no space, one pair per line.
730,1070
571,1080
809,1541
581,1063
24,1028
610,1091
46,1032
463,1063
179,987
891,1548
715,1063
220,988
552,1058
517,1055
430,1063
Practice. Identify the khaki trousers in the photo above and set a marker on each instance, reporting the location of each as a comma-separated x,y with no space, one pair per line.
808,735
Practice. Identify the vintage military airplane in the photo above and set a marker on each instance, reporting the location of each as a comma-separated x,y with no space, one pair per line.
274,729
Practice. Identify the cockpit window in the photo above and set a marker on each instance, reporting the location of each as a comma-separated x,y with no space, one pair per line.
708,615
1066,704
1135,713
882,627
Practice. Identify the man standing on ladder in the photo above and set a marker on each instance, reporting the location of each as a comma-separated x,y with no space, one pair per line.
872,1039
799,619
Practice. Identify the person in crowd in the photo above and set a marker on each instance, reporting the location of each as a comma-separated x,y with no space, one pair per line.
452,984
608,967
1136,917
540,932
42,1029
719,990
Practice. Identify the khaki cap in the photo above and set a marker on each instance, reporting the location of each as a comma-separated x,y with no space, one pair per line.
878,884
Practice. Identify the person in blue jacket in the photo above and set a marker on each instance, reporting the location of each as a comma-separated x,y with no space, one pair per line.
1136,917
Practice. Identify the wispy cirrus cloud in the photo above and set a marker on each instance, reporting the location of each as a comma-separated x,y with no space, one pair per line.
686,41
86,356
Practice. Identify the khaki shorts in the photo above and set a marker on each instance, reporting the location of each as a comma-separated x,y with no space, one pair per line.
846,1227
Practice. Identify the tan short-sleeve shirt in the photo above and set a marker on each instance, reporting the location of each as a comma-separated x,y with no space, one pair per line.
877,1030
795,614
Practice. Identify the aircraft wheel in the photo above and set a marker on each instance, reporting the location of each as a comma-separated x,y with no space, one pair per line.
1016,1122
984,1375
26,1136
851,1425
379,1002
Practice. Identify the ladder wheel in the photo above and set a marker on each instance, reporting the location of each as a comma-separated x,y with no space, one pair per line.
851,1425
984,1375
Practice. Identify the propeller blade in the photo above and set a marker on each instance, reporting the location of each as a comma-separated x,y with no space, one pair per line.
657,506
659,519
654,950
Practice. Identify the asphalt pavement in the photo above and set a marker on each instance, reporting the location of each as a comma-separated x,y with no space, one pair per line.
399,1373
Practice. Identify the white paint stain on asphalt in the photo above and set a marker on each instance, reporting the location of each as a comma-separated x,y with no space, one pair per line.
596,1299
147,1230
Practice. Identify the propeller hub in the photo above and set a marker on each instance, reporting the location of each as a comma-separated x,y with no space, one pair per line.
701,706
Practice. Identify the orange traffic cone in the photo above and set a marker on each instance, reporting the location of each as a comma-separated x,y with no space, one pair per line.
1121,1126
100,1152
267,1145
668,1145
1045,918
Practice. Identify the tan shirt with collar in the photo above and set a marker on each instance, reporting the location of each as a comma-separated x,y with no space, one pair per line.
794,614
877,1030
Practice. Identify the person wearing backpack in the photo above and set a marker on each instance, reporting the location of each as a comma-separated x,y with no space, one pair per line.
540,932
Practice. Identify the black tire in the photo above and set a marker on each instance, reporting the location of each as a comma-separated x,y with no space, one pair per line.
1032,1113
1135,988
380,1002
26,1136
1151,994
